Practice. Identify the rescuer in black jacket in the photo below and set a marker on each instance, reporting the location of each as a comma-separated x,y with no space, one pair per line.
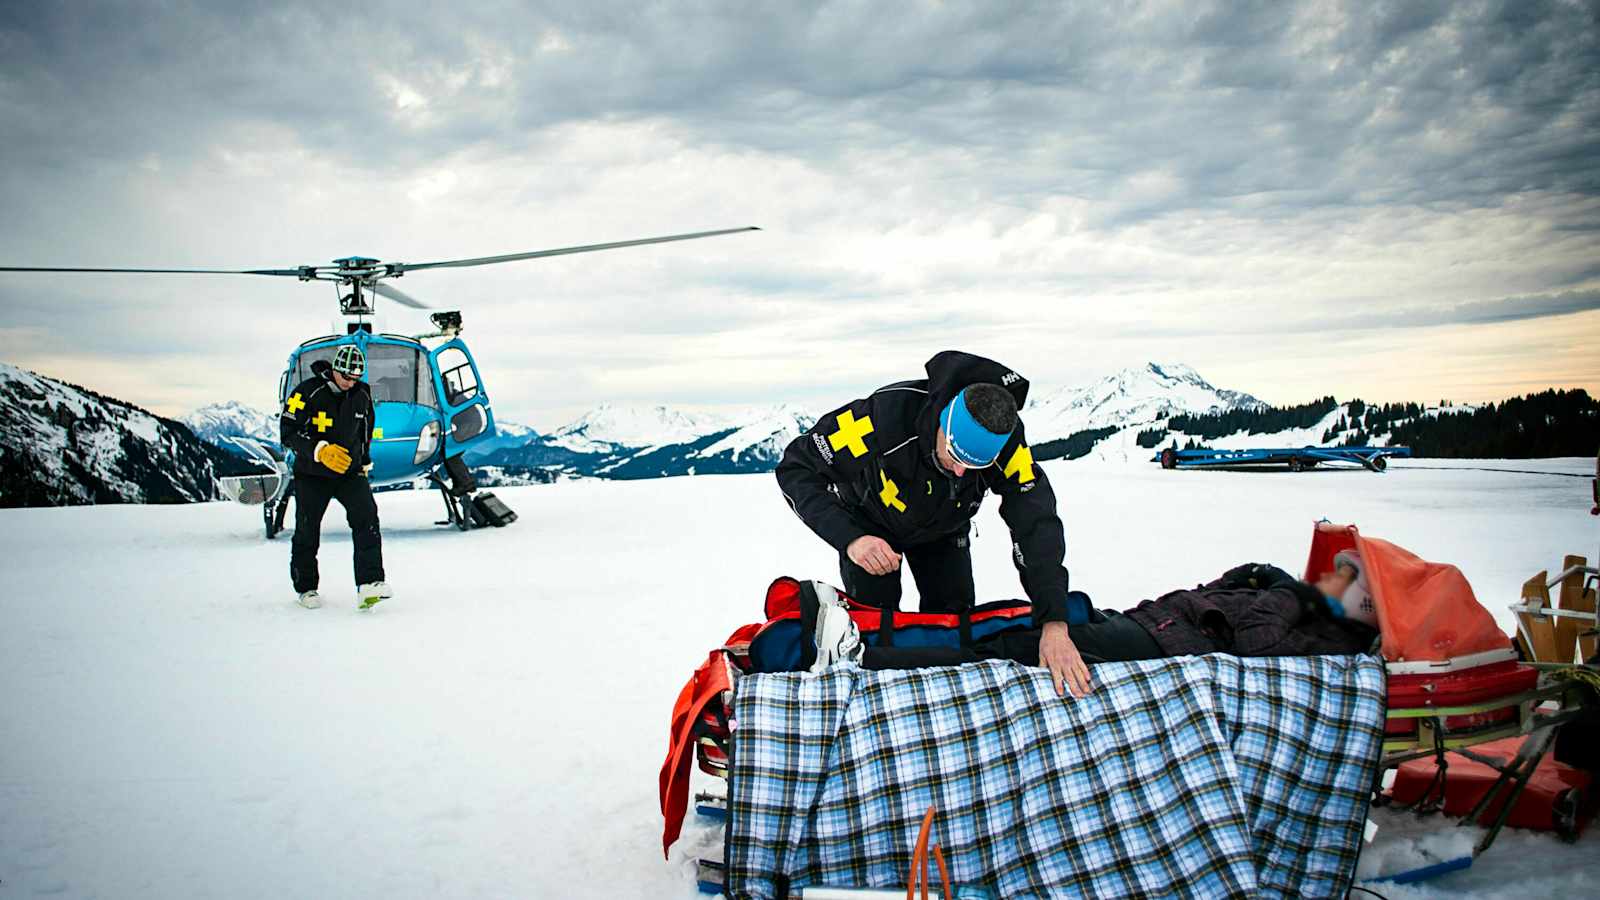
327,421
903,471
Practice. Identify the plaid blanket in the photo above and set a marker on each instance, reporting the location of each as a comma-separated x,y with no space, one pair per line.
1208,776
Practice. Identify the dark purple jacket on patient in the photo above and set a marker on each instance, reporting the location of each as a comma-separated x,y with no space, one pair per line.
1252,610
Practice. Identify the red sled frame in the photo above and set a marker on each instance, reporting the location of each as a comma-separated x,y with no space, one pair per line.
1458,702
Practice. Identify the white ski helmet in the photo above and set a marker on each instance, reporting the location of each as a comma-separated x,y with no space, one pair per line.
1357,601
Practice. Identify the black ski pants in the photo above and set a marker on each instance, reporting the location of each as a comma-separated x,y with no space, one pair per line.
1117,638
311,498
942,568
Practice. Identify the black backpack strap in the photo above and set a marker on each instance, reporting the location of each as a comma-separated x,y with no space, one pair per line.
886,626
966,626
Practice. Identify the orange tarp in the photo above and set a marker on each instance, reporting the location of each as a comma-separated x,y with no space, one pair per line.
1426,610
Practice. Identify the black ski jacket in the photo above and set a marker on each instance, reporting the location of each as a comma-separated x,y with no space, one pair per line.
316,411
869,468
1252,610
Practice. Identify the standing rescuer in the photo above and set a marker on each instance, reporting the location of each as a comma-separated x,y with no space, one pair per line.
900,474
327,421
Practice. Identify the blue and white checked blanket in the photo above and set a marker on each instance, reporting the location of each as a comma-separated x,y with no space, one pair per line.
1209,776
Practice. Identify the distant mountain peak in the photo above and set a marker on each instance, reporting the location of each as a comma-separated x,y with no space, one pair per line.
648,441
609,427
217,422
1137,395
1176,372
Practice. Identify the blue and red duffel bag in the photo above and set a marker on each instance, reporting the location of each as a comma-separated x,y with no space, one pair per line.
783,644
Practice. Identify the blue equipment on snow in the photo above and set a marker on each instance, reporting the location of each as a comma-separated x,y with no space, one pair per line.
1298,459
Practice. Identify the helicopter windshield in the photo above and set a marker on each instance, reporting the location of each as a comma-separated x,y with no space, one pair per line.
395,373
392,372
302,367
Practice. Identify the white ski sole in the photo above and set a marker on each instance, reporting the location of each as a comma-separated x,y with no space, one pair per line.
834,629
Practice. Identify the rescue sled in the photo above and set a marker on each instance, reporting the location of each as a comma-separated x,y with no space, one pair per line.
1297,459
1455,684
1455,680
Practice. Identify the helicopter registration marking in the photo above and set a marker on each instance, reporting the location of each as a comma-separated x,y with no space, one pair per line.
321,421
296,404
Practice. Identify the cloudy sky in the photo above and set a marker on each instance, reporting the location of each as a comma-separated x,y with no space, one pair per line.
1391,200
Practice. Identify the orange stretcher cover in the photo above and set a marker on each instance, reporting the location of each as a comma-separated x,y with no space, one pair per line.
1426,610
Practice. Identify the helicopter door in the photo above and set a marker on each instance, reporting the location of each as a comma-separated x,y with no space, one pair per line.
461,396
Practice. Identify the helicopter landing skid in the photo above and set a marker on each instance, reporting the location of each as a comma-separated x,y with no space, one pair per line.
455,507
273,512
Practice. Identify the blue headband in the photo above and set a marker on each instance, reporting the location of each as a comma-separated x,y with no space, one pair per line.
970,443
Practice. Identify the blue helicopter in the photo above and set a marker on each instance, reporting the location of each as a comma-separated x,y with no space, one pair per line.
429,396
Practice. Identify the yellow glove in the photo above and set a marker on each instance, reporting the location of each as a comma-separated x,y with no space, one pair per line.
334,457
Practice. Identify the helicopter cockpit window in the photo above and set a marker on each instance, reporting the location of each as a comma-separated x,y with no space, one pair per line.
302,368
425,392
455,370
392,373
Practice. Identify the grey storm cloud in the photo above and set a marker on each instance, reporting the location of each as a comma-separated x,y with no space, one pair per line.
1508,309
1479,312
1268,104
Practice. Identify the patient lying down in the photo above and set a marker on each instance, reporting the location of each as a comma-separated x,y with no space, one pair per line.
1252,610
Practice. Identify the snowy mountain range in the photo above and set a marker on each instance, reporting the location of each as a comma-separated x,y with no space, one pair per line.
67,445
626,442
506,434
1133,396
651,442
609,429
64,445
220,421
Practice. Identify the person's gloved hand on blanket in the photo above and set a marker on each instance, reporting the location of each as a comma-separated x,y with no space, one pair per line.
1251,610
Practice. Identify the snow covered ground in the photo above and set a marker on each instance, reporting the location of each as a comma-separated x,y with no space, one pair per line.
172,725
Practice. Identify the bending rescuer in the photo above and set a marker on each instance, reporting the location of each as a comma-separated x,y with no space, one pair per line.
898,475
327,421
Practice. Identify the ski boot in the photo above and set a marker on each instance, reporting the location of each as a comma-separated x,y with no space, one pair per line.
838,640
373,593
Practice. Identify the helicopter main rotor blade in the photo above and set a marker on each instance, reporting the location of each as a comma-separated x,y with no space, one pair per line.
292,273
398,268
398,296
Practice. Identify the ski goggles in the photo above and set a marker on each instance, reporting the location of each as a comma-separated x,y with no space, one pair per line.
972,445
